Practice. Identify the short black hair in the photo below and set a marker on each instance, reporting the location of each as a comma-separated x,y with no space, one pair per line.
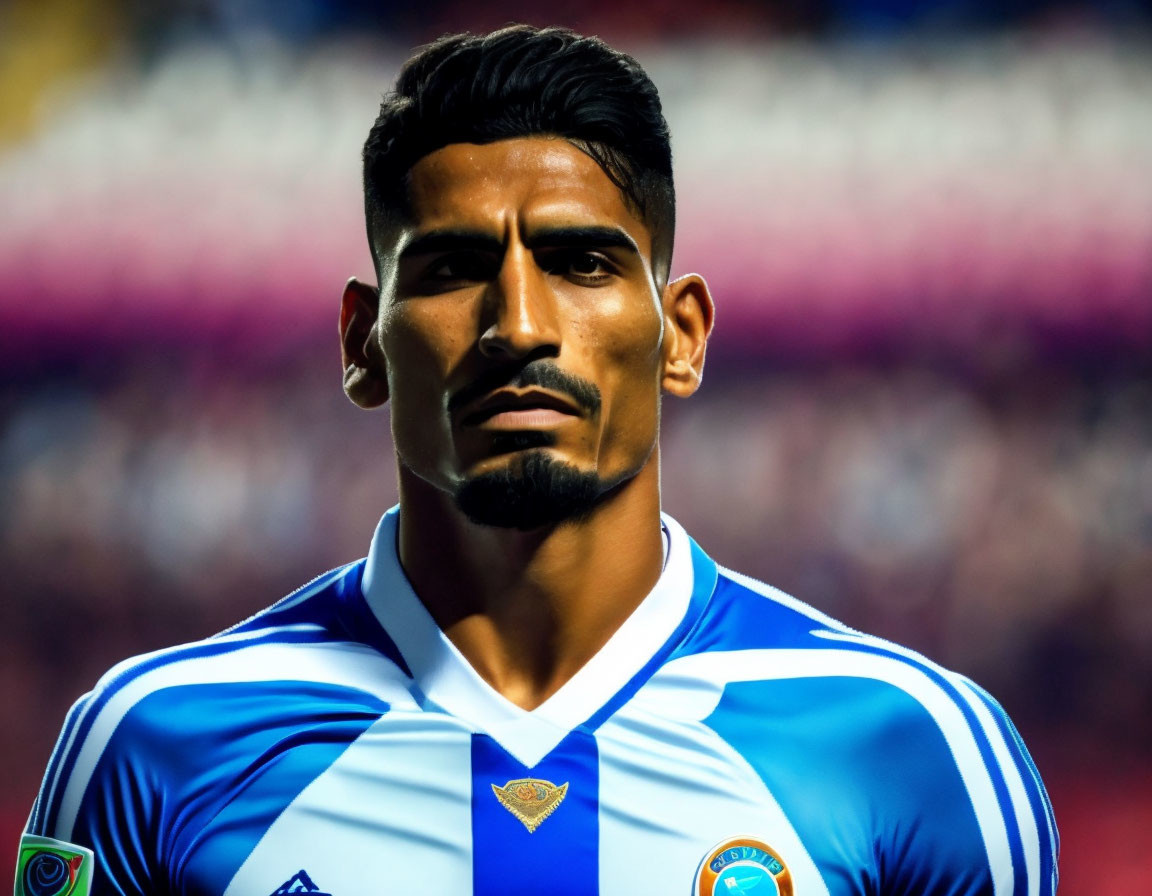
523,81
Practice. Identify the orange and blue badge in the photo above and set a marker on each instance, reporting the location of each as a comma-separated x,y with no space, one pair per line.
742,866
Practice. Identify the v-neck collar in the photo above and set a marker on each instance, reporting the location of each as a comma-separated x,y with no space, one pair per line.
444,678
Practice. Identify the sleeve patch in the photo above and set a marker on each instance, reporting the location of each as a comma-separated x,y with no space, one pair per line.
48,867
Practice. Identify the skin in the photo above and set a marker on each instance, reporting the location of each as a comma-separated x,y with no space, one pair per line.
543,260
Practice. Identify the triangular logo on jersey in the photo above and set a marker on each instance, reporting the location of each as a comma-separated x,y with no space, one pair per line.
300,882
531,800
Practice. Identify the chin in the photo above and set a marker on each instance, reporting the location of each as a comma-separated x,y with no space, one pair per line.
532,491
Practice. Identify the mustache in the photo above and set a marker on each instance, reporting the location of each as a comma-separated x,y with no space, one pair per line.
542,373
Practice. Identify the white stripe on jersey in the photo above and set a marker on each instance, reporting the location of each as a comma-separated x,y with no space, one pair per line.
1022,809
1033,774
717,795
397,811
339,663
691,688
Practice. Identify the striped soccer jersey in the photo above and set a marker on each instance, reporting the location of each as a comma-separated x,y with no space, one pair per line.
728,739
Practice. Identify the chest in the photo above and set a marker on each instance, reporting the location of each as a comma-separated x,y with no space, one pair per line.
420,803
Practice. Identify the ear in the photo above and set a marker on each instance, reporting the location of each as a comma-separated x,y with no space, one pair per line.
365,371
688,316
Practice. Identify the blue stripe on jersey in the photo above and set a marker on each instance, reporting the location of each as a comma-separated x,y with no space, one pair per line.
40,810
739,618
261,743
999,785
357,622
850,760
1037,796
561,857
704,575
100,698
336,602
297,607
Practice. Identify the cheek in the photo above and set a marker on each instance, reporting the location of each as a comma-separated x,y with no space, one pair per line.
631,348
421,353
641,350
422,346
625,330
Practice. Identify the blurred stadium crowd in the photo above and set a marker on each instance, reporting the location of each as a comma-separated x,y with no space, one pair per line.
1002,528
928,411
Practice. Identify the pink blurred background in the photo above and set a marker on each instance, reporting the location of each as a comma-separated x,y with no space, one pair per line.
928,408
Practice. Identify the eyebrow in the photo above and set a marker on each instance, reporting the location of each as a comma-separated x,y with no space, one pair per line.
451,241
589,237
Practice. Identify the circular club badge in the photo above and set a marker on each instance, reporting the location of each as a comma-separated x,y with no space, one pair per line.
742,866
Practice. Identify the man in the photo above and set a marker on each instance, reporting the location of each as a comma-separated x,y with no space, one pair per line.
534,683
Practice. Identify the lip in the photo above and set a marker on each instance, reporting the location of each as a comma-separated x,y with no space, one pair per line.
521,409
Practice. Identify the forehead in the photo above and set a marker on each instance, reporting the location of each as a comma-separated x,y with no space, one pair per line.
521,182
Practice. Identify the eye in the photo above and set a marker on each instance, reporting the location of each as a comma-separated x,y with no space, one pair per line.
460,267
588,268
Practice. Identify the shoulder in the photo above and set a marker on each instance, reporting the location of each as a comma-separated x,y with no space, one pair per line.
920,748
303,638
152,719
754,634
743,613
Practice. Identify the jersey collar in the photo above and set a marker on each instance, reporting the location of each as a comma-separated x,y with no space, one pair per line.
443,678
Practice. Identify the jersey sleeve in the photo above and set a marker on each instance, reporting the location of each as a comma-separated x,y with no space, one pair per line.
986,776
93,821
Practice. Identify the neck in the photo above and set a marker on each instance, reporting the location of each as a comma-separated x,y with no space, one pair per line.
529,609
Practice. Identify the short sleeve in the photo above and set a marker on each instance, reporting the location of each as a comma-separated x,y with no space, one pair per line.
96,800
987,776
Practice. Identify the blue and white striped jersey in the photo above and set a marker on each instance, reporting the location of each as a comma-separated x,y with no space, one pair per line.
727,739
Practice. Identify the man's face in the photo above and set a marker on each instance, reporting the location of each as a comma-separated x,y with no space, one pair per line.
521,327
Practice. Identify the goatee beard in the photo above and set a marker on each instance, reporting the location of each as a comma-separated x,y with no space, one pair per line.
531,492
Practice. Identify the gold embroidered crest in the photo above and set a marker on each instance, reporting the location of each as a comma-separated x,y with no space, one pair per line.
530,799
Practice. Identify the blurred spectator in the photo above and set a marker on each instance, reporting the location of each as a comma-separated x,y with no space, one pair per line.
976,521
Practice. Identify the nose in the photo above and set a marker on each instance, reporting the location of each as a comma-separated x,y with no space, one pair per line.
520,314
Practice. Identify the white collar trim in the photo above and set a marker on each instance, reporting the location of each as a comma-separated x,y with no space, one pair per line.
444,677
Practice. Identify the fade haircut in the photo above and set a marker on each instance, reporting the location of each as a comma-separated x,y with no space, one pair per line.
522,81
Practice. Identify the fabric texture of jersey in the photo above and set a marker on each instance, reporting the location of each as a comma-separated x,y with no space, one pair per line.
338,743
